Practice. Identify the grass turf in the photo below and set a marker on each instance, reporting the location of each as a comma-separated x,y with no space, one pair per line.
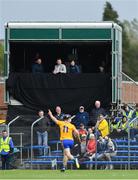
69,174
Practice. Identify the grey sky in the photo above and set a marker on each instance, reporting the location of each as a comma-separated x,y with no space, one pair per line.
62,10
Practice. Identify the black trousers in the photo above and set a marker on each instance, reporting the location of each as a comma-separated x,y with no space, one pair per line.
5,161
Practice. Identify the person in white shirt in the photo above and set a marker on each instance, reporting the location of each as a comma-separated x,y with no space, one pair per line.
59,67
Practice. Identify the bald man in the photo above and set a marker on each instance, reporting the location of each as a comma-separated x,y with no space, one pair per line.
96,111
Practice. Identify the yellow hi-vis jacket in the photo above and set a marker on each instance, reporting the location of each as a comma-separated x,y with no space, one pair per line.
4,144
136,113
103,127
130,114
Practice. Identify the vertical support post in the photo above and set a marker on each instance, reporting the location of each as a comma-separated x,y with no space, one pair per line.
21,147
32,128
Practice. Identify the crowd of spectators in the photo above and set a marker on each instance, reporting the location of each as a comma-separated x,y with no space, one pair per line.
72,68
97,130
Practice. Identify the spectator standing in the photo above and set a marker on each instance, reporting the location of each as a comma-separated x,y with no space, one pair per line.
82,117
6,148
59,67
102,126
96,112
59,115
37,67
42,131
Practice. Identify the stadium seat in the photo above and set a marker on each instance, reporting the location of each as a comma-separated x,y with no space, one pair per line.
123,158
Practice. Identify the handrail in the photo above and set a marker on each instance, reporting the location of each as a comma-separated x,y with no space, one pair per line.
12,121
129,123
32,126
133,120
96,137
129,78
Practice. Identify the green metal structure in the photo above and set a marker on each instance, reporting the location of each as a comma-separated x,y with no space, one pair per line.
69,32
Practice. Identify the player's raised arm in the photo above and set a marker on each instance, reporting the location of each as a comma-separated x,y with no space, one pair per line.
52,117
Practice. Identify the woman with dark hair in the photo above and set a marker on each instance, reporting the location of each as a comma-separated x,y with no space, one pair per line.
73,68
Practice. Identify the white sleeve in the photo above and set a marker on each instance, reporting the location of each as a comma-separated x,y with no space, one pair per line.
63,69
55,69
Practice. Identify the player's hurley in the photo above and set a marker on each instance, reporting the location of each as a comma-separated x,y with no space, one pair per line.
77,163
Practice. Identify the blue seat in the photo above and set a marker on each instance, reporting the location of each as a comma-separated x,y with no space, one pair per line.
126,146
35,147
126,151
125,157
59,152
123,140
39,162
54,156
120,159
110,162
54,142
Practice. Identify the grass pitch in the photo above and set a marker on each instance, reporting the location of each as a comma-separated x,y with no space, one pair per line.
69,174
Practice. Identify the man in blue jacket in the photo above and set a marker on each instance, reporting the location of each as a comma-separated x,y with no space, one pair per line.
6,148
82,117
37,67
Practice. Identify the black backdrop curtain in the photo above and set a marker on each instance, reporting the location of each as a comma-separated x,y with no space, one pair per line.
43,91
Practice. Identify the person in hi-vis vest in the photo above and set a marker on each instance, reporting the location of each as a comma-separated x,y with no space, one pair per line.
6,148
